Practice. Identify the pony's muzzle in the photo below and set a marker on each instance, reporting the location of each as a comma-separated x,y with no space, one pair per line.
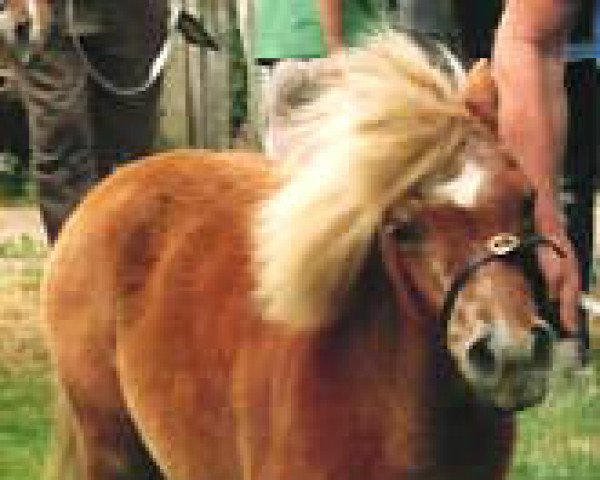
513,376
487,356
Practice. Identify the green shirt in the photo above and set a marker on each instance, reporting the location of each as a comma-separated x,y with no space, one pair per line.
292,28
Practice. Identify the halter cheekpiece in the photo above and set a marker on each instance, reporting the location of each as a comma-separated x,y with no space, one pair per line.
505,247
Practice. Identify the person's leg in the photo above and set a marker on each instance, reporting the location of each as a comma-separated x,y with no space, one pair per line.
254,114
580,169
269,123
55,92
245,17
126,126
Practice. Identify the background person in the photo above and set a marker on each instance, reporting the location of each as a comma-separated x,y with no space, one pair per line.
79,131
285,36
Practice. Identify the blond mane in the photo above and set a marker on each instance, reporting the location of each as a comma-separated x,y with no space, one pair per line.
388,122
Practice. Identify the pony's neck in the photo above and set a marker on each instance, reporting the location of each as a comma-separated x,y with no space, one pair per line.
400,370
405,374
423,376
409,406
437,420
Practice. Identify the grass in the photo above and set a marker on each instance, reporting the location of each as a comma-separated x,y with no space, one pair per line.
558,441
561,439
24,423
23,246
25,391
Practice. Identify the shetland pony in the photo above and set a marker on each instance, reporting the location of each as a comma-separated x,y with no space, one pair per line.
211,318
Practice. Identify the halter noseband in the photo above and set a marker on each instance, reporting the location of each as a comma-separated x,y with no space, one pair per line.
505,247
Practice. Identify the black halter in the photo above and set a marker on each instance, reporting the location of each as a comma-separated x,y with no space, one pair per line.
511,248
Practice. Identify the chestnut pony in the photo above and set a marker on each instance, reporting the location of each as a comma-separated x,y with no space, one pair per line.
212,318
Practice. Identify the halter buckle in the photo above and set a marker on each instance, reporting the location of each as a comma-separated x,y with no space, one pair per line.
503,244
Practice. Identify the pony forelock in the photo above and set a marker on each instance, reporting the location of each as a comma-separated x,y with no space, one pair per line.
387,123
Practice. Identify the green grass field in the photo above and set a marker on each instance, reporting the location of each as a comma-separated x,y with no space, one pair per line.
24,424
558,441
561,439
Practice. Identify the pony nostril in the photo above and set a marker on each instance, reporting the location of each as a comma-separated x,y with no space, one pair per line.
542,346
481,356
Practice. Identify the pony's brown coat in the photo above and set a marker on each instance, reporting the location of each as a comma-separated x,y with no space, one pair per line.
148,228
154,332
159,340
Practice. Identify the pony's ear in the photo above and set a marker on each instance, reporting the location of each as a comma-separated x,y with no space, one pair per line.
480,93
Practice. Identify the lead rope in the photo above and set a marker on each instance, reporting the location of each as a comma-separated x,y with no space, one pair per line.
156,68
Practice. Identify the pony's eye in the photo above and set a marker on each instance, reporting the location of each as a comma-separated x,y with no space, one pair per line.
3,5
408,232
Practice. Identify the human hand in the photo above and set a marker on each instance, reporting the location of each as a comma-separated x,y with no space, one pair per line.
532,120
561,273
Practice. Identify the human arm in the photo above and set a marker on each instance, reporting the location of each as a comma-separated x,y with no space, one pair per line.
331,22
529,71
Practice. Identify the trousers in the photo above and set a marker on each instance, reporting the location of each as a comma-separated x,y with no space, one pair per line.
79,132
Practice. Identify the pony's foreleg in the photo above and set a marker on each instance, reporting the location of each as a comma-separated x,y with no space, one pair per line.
98,443
111,449
507,432
61,462
98,436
